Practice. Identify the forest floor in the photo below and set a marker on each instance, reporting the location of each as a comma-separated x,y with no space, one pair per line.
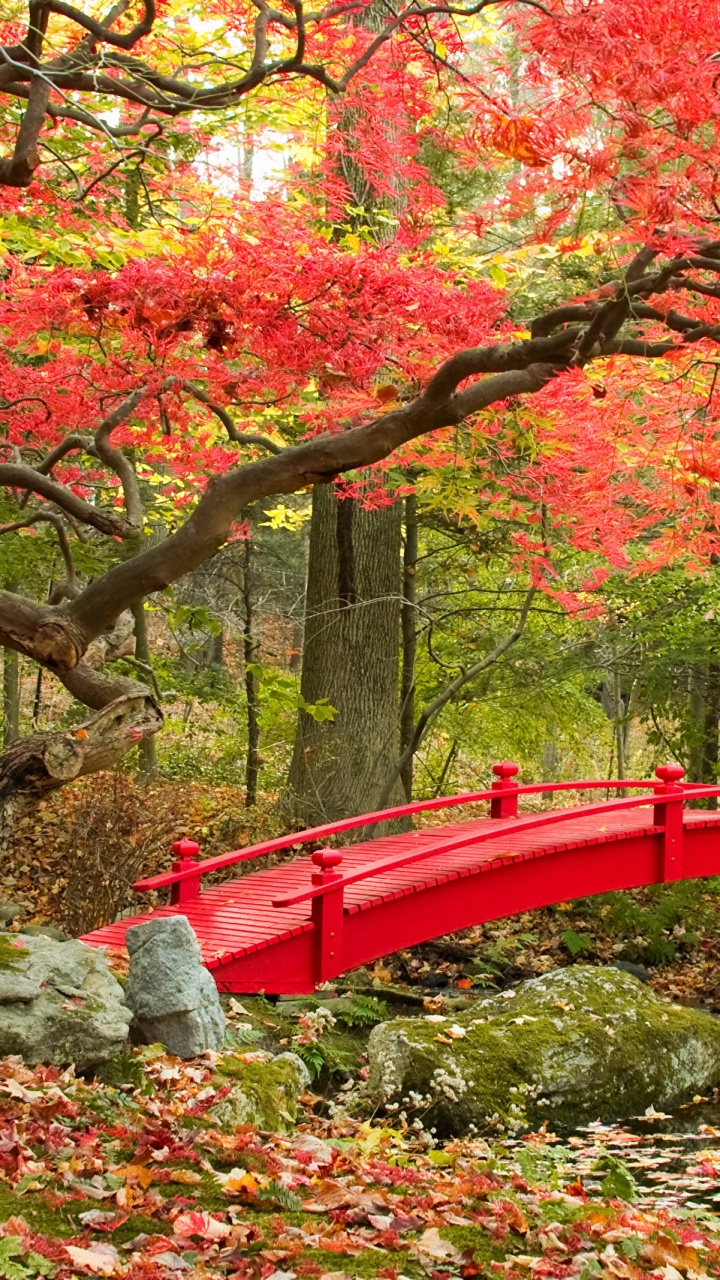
134,1180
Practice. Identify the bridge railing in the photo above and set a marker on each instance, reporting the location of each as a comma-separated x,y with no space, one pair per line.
328,884
184,879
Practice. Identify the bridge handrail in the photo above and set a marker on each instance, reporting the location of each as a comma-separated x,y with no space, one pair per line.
223,860
220,861
340,880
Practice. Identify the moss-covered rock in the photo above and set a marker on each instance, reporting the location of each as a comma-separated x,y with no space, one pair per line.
264,1091
59,1003
574,1045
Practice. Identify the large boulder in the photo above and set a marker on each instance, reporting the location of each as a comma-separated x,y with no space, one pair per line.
173,998
575,1045
59,1003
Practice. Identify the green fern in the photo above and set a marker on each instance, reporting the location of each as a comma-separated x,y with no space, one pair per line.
276,1195
314,1056
236,1037
576,943
366,1011
33,1264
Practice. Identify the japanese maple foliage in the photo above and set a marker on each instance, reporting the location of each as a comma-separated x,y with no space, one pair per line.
219,349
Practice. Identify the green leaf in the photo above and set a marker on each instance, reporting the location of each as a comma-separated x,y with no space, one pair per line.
319,711
619,1184
576,943
631,1246
440,1157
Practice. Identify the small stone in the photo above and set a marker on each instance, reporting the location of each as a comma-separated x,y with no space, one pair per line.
45,931
264,1091
173,998
637,970
10,911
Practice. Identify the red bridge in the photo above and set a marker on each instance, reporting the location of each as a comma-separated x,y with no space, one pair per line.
286,929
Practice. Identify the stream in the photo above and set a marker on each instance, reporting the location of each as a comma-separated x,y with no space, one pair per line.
675,1160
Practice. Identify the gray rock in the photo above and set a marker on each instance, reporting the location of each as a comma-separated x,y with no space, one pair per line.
59,1003
574,1045
15,986
45,931
173,999
10,911
637,970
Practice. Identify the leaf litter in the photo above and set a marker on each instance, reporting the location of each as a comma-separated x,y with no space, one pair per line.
139,1182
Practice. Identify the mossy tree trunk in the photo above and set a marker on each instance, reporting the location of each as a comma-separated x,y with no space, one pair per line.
11,697
250,655
409,639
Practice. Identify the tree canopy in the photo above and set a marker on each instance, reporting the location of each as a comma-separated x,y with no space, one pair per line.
488,270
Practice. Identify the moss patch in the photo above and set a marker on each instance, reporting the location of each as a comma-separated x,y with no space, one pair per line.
263,1093
11,953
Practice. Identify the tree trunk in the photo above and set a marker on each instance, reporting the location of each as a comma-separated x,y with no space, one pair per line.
218,648
32,767
11,697
710,753
409,640
147,750
252,767
352,641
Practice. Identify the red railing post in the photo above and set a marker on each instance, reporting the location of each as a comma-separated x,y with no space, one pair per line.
505,804
669,814
327,916
186,853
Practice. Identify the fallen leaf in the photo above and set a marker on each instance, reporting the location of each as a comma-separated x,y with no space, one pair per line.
204,1225
431,1249
99,1260
238,1182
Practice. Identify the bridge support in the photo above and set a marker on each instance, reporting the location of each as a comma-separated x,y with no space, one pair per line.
505,803
327,916
186,854
669,815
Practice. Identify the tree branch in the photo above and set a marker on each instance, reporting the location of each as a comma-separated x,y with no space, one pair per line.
433,708
238,437
15,475
68,589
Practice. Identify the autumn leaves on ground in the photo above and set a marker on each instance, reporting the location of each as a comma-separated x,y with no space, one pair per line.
133,1180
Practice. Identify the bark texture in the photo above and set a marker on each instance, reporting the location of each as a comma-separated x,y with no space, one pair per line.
352,632
32,767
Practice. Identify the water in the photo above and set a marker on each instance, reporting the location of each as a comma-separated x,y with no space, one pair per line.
675,1160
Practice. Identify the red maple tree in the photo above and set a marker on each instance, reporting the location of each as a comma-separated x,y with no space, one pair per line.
285,345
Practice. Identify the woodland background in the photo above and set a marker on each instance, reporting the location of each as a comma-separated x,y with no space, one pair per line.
297,254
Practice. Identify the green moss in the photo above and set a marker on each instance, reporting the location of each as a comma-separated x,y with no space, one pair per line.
11,952
367,1263
263,1093
478,1241
337,1053
65,1221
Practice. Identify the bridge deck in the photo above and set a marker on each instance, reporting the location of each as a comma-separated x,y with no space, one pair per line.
236,920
